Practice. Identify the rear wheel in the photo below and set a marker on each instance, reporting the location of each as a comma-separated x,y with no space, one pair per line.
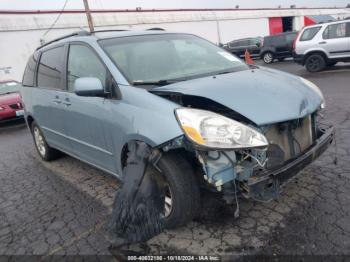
315,63
46,152
268,57
180,189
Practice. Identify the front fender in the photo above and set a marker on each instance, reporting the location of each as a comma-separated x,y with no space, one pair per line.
145,117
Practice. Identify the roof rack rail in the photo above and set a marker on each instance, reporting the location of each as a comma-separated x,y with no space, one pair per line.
155,29
109,30
79,33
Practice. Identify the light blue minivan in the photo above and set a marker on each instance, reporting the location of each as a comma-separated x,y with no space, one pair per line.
218,124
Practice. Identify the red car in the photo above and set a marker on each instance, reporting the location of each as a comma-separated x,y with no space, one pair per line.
11,107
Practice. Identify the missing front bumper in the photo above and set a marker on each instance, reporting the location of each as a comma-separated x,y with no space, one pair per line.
265,185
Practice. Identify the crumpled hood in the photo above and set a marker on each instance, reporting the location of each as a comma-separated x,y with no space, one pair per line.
9,99
264,96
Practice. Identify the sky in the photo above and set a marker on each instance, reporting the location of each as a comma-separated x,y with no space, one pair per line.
150,4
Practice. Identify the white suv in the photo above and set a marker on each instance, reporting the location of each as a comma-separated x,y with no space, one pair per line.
322,45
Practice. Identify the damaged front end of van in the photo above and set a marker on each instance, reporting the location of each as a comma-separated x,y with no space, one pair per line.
250,146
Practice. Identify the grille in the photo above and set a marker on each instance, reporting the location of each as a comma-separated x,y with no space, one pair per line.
16,106
288,140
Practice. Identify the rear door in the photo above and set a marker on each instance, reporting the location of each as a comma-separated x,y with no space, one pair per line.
335,40
88,118
237,47
47,97
254,47
280,44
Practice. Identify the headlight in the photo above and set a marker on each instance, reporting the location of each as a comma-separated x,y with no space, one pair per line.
316,89
2,108
212,130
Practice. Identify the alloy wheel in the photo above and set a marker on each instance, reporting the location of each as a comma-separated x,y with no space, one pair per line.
268,58
39,141
314,63
168,200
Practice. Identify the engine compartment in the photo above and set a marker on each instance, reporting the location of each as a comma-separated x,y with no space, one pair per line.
231,171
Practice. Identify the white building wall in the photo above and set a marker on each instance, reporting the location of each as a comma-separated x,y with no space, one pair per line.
235,29
20,34
298,23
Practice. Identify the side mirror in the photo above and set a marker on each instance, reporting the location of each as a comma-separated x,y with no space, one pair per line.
88,86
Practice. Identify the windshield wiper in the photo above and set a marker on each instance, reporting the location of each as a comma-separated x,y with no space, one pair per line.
155,83
225,72
253,66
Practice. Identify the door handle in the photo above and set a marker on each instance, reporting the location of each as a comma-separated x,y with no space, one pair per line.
323,42
66,102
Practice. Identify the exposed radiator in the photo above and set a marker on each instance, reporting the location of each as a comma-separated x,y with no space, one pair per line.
288,140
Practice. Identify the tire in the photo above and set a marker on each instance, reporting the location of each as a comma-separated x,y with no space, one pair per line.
315,63
268,57
177,176
46,152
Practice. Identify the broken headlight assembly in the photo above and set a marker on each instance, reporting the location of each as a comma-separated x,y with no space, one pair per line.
212,130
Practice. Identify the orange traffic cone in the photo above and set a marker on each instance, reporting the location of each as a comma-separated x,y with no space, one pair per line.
247,58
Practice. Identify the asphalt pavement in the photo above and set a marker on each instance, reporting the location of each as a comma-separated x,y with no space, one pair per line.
62,207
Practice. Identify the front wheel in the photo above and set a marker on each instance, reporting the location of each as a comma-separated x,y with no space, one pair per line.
46,152
175,177
268,57
315,63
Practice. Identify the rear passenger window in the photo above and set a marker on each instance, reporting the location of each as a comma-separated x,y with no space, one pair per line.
309,33
83,62
233,44
244,43
278,40
29,72
335,31
51,68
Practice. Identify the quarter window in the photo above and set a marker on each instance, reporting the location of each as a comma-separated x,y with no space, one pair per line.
233,44
309,33
335,31
83,62
51,68
254,41
29,72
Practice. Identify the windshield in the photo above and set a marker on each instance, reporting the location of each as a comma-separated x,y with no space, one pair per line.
168,57
9,87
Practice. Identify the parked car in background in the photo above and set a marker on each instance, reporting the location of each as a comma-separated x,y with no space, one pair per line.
322,45
278,47
217,122
239,46
10,101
